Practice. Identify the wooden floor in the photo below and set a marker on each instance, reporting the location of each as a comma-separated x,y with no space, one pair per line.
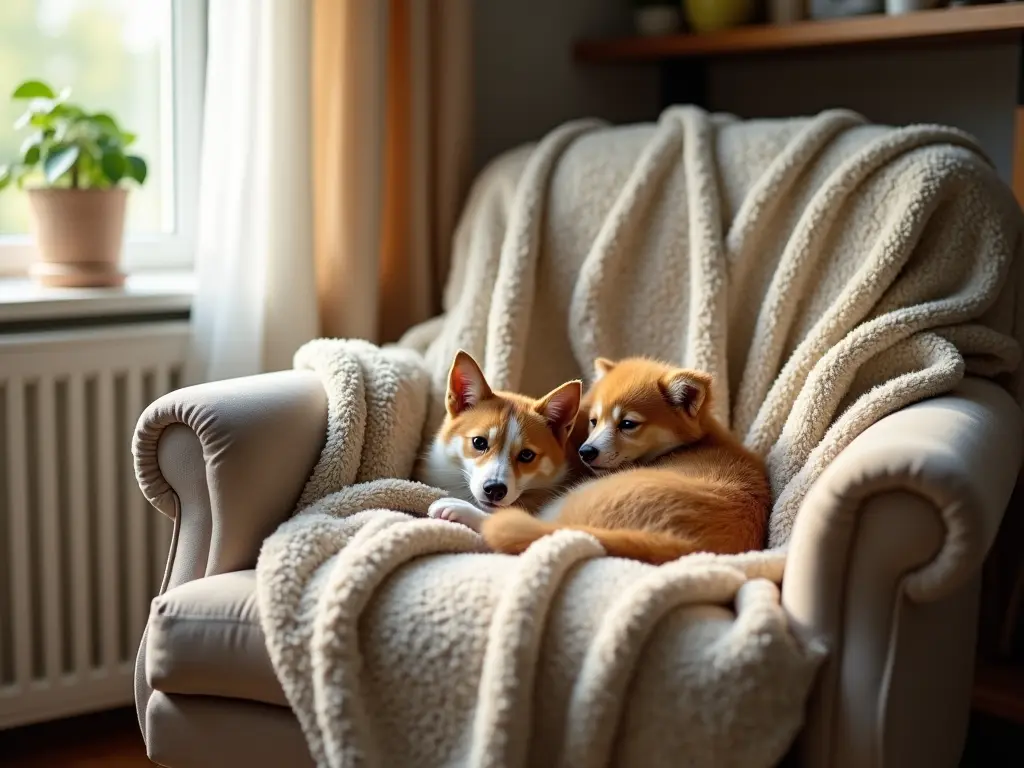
105,740
112,740
993,743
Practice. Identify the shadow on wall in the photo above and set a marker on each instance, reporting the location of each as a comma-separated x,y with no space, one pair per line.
970,88
526,82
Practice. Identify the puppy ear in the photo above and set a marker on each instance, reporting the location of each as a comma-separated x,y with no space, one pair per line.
559,408
467,386
602,366
686,390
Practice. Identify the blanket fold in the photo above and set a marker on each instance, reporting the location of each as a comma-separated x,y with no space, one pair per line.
825,271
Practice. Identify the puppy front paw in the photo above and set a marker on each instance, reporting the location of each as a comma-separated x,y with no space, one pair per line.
458,511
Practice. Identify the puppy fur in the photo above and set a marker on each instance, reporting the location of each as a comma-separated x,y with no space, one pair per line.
671,480
495,448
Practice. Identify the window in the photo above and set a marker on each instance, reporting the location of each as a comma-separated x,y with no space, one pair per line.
143,61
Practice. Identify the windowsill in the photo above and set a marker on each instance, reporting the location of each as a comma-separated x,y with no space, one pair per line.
21,299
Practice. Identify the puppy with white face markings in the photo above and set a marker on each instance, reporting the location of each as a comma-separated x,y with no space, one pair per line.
496,449
671,480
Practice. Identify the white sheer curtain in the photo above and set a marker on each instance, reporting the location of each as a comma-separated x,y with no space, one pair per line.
256,285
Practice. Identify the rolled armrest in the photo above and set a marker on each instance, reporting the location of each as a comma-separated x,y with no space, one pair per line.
959,453
227,461
884,564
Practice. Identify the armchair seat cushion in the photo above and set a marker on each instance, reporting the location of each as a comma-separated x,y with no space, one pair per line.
204,638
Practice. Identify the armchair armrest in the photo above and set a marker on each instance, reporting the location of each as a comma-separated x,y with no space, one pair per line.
884,565
227,461
959,453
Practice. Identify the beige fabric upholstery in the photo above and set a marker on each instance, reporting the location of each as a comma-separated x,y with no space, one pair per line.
895,691
226,461
205,638
896,687
258,438
206,732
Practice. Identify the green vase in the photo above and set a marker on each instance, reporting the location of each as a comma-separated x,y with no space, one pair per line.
714,15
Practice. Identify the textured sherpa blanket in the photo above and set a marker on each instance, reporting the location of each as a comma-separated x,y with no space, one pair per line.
827,272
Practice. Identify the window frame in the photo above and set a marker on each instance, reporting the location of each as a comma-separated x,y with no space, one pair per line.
172,251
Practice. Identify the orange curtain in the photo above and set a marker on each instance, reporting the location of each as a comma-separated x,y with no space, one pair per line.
390,152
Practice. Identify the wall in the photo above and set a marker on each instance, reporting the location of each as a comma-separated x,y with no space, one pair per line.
526,82
971,88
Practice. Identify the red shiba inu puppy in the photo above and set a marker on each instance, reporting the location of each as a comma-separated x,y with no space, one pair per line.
497,448
672,480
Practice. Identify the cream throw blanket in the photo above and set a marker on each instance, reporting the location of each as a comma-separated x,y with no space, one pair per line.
826,272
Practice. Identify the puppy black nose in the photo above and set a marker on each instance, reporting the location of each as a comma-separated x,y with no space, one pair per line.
495,492
588,453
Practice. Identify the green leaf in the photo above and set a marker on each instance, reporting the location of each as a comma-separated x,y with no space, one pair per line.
5,176
33,89
106,123
59,161
127,138
40,113
114,164
136,168
68,111
89,170
91,147
41,120
37,114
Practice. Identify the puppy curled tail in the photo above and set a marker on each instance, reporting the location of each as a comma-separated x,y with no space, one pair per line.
511,531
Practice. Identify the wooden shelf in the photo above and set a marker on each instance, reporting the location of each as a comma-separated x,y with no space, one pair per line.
999,691
986,22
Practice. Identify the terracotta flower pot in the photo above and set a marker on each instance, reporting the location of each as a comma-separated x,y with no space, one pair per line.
79,234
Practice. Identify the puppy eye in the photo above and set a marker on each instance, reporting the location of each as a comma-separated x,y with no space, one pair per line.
593,422
526,456
480,443
626,425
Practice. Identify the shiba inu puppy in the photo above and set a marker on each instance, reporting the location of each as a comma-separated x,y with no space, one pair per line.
495,448
671,479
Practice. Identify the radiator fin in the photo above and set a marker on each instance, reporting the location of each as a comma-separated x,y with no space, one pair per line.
82,553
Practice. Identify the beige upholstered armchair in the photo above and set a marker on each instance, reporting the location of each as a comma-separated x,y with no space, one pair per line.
895,691
228,461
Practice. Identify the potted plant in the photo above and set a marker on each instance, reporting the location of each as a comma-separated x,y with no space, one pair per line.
73,164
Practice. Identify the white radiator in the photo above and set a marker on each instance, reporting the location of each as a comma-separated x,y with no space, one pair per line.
81,551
